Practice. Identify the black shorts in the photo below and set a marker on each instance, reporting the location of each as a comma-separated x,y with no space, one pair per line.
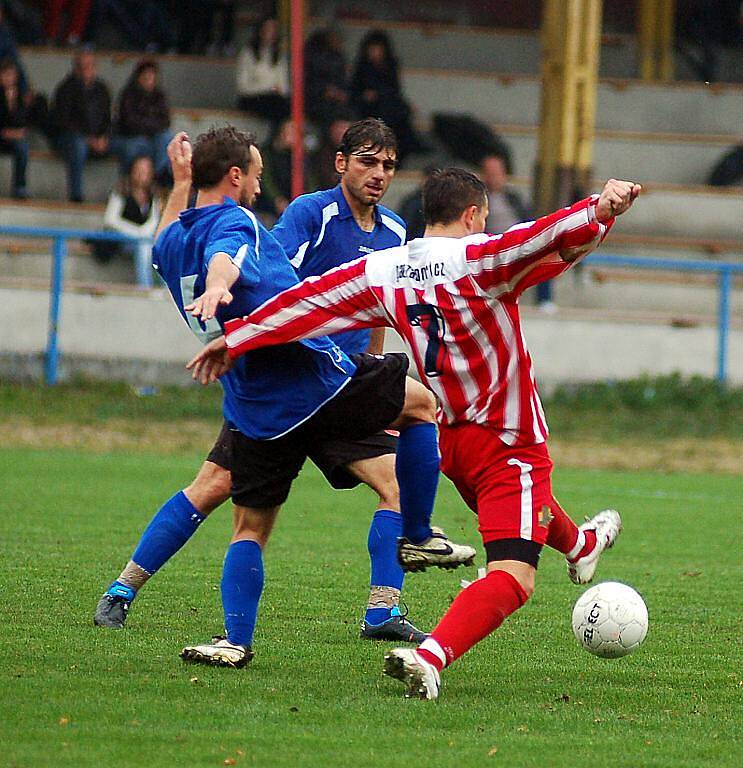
348,428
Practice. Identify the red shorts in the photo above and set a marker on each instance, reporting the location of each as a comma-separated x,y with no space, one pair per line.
509,488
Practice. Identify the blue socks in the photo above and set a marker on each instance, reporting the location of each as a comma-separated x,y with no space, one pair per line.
173,525
386,527
242,585
417,469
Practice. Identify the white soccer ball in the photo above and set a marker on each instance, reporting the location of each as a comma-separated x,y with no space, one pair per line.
610,620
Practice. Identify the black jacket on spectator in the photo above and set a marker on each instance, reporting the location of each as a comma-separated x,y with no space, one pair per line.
141,112
78,109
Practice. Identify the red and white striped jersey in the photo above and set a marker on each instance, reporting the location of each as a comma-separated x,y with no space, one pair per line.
455,301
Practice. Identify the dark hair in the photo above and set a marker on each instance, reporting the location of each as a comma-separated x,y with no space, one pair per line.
8,63
218,150
377,37
142,66
370,134
448,192
255,39
125,178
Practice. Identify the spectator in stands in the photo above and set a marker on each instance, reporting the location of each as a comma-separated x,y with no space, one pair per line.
196,21
9,50
276,182
144,120
77,20
506,209
26,22
263,74
133,209
82,117
145,23
325,76
376,91
14,125
324,161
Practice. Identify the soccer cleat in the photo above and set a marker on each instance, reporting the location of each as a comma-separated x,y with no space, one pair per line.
396,629
421,679
438,550
608,525
113,607
219,653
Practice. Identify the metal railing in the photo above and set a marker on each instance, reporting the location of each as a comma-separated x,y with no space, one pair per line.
725,271
59,237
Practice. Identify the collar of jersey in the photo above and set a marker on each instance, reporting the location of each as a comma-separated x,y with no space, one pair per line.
344,210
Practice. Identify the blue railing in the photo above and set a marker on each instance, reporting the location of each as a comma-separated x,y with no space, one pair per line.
725,271
59,238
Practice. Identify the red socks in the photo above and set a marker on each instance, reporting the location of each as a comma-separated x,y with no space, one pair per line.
476,612
564,536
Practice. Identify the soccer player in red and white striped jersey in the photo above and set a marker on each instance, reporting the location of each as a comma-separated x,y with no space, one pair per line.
453,295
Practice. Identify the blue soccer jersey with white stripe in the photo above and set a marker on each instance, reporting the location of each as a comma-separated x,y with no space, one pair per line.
271,391
318,232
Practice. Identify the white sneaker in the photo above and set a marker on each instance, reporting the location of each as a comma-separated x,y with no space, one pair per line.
438,550
220,653
608,525
421,679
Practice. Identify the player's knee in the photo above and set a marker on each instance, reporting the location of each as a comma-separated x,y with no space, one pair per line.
210,488
420,404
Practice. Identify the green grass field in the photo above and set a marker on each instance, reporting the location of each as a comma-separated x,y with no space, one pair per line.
76,695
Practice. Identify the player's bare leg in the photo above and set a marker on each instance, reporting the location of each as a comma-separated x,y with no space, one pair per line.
383,619
478,610
242,586
173,525
421,546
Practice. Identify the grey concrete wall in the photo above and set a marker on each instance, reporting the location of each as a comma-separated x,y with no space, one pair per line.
137,338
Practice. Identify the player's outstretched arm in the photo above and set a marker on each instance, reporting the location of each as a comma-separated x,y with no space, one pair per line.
179,153
221,276
616,198
211,362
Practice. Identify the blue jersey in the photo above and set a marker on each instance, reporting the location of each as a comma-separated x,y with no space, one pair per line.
318,232
270,391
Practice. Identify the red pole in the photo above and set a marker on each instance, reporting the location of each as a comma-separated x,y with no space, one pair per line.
297,61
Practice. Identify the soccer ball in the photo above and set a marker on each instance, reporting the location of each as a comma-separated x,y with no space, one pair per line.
610,620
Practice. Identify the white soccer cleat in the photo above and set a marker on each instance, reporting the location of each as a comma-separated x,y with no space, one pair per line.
420,678
608,525
437,551
219,653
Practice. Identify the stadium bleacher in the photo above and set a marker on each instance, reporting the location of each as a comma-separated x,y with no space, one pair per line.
668,136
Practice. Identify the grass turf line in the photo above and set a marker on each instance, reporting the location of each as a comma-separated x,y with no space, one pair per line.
76,695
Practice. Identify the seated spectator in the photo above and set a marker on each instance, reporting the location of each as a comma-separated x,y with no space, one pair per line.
9,50
133,209
143,122
376,91
325,76
276,181
14,125
82,118
263,74
77,20
324,166
144,23
506,208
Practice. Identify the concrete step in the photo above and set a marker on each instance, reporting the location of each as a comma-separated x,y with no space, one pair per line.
623,105
659,157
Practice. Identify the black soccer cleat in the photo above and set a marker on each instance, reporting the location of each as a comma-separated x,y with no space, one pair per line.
111,612
396,629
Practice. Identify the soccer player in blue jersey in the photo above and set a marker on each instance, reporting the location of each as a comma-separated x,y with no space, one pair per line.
269,420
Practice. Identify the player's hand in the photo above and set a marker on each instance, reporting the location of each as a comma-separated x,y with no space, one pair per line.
616,198
212,362
179,154
207,304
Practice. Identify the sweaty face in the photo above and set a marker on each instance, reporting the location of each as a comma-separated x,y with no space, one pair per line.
250,184
365,174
